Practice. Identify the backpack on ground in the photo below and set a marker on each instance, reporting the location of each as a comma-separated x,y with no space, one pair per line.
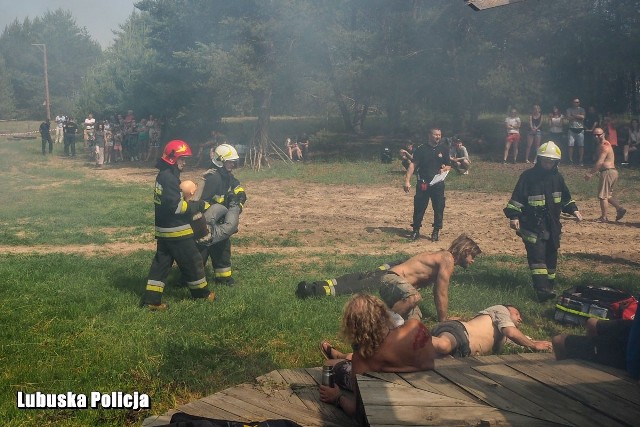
579,303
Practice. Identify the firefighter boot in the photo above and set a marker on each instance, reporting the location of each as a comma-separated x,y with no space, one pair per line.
305,290
435,236
225,281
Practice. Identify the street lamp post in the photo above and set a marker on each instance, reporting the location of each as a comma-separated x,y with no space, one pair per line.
43,47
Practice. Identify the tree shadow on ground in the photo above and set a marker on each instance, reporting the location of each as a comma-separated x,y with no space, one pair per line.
604,259
396,231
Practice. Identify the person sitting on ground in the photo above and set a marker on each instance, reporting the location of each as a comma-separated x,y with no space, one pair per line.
406,155
379,346
293,148
400,284
459,157
614,343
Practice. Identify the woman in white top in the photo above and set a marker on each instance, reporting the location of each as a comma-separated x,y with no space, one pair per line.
556,123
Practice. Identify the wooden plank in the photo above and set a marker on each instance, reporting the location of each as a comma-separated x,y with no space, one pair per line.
560,378
306,388
300,415
389,377
389,394
539,400
436,383
447,416
206,408
156,420
239,407
494,393
275,385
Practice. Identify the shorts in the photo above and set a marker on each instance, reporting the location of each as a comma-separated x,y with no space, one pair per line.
394,288
513,138
576,138
608,179
537,132
342,375
459,332
609,347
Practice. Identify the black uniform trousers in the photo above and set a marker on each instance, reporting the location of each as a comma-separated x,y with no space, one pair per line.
542,257
70,144
435,193
47,139
220,254
186,255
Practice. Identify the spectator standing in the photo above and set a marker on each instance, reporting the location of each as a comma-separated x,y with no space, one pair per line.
99,143
70,130
556,127
60,119
143,139
459,157
591,121
534,213
303,143
117,144
632,142
154,138
108,143
429,160
575,136
534,136
89,127
605,164
512,124
293,148
45,134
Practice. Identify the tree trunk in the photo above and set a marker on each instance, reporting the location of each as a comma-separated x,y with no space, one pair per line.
259,147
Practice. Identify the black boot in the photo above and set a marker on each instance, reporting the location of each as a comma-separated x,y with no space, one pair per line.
415,235
305,290
545,295
435,235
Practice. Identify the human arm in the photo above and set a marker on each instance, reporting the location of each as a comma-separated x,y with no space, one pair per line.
441,287
515,207
337,397
515,335
602,155
407,177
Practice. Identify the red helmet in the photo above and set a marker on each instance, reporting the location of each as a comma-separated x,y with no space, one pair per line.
174,150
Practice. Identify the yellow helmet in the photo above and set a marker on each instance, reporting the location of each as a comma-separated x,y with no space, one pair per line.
550,150
222,153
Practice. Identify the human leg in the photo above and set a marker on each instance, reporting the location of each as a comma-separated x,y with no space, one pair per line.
398,295
158,272
188,259
420,204
438,202
507,146
536,258
530,138
220,254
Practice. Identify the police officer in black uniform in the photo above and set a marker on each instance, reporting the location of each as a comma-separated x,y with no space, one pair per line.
429,160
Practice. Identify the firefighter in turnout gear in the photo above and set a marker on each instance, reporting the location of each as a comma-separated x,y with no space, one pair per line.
534,212
220,186
173,232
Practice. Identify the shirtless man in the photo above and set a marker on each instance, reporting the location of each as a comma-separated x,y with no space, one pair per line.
400,286
605,164
380,347
401,281
484,334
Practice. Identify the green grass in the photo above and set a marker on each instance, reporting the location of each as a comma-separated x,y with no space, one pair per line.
72,322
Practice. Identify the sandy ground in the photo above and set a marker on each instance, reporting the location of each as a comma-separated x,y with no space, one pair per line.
302,220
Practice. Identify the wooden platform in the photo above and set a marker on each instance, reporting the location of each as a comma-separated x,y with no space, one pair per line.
518,390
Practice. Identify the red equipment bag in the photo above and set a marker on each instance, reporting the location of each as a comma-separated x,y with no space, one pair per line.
577,304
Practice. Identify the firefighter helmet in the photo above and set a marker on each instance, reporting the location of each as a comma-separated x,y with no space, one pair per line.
550,150
174,150
222,153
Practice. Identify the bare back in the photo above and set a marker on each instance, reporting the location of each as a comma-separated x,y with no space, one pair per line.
423,269
407,348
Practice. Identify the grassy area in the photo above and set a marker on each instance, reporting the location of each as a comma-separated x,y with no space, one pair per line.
72,322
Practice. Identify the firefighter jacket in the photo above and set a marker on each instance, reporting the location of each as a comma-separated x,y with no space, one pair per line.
219,185
537,201
172,212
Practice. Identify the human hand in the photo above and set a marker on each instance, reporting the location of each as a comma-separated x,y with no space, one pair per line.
406,187
515,224
329,394
542,346
587,176
578,215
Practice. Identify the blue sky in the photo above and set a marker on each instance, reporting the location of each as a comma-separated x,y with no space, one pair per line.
100,17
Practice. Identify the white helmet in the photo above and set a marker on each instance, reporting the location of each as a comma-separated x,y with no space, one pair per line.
550,150
222,153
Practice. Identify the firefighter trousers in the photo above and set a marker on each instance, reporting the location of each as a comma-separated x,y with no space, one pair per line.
220,254
542,257
349,284
186,255
435,193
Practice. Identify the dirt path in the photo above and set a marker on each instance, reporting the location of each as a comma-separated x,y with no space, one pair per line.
302,220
